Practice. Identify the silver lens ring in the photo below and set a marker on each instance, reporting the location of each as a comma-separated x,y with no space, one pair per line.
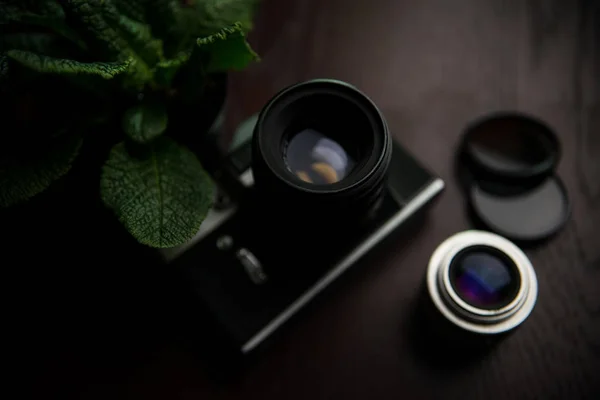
464,315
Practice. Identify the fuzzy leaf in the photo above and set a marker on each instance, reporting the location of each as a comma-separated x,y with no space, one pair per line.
43,43
39,63
137,34
209,16
161,198
53,24
47,14
49,7
133,9
11,8
227,49
191,79
25,172
89,17
163,16
165,70
145,122
3,67
121,37
38,42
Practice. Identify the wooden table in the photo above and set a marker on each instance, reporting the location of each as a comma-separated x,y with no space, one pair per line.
431,66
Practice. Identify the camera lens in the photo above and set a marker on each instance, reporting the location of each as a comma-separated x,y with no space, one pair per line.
481,282
484,277
321,150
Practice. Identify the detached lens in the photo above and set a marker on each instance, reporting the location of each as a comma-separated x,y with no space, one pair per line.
481,282
320,152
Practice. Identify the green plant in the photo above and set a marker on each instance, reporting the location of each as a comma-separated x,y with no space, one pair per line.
85,64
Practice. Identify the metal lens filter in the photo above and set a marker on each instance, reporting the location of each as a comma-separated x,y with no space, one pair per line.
506,163
320,153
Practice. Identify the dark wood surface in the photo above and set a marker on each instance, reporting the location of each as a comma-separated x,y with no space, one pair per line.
431,66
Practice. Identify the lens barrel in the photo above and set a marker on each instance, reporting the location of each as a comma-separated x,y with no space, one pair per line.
481,283
325,131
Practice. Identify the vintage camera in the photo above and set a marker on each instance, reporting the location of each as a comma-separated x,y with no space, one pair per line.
320,183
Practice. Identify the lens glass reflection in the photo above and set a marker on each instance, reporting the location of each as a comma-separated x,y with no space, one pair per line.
484,278
316,158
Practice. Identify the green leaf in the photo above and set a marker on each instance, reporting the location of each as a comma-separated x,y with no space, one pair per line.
38,42
57,26
12,8
40,63
138,36
117,36
161,198
206,17
133,9
145,122
177,61
3,67
191,79
163,16
89,17
45,14
27,171
48,7
227,49
165,70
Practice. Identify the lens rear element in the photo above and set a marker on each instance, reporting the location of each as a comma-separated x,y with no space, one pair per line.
484,277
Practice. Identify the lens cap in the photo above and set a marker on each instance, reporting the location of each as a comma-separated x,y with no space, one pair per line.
532,215
512,148
506,164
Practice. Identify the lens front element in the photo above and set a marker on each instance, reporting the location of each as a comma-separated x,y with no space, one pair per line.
316,158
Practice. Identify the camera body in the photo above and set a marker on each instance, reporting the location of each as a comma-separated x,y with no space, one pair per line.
314,184
249,286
